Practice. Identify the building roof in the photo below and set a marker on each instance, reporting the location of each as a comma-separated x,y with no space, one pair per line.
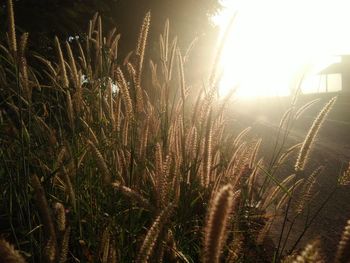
341,67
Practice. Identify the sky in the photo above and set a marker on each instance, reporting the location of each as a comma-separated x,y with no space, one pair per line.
272,43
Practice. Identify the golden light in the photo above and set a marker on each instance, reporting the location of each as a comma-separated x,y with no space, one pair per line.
272,43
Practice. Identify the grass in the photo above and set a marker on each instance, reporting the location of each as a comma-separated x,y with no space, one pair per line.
123,167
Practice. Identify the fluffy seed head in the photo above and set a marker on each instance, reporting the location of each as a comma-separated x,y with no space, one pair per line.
9,254
216,223
152,235
60,216
11,27
343,251
310,254
310,137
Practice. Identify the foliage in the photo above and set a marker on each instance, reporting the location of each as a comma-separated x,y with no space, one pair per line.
112,162
49,18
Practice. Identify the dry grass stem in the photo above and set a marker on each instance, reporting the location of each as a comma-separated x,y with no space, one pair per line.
101,163
304,108
284,198
63,71
207,155
285,118
272,195
105,244
240,136
287,153
45,213
69,188
123,86
181,75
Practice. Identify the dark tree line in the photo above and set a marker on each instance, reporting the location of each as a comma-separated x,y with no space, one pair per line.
44,19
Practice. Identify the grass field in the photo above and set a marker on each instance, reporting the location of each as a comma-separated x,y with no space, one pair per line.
108,159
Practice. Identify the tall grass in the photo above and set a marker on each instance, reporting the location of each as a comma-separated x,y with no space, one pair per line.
106,159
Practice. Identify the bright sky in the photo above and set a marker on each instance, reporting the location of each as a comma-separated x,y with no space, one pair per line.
273,42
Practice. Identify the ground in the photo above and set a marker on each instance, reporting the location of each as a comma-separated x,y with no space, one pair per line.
331,150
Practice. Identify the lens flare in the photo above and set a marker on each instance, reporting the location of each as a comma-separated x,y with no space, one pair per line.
274,44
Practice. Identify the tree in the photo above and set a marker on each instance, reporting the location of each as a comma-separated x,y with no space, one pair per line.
44,19
189,19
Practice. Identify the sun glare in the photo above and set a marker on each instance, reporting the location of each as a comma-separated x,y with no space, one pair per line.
273,44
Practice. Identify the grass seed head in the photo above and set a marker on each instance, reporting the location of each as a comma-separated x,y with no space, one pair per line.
9,254
152,235
216,223
310,137
343,251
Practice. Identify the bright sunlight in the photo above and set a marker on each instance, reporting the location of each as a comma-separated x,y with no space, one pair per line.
272,45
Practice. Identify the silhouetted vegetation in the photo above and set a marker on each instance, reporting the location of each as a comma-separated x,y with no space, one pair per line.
108,159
